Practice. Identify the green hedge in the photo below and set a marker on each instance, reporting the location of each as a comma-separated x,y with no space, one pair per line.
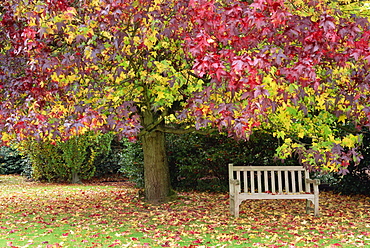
199,162
99,156
69,160
132,162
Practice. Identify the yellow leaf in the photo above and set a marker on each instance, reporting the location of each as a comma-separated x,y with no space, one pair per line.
6,137
342,118
300,134
160,95
148,43
136,40
350,140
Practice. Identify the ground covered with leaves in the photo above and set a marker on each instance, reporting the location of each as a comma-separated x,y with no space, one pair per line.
111,214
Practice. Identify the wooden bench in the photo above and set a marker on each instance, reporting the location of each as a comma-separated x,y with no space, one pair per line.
272,182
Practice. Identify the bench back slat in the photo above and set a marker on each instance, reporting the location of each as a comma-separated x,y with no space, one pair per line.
286,176
274,179
300,188
259,181
252,182
266,182
280,183
245,176
294,189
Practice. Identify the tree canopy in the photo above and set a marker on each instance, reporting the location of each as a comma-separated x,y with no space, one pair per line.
297,68
305,75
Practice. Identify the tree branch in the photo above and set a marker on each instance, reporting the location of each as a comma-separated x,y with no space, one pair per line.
174,130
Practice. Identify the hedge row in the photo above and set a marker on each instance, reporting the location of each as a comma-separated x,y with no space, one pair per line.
197,162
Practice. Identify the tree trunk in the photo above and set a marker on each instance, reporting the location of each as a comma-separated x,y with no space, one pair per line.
75,178
156,170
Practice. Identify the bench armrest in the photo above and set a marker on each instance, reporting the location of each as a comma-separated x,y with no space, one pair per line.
234,187
235,181
314,181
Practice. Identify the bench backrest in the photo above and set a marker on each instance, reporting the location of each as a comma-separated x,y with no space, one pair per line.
271,179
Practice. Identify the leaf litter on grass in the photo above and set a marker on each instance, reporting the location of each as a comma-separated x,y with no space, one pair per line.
112,215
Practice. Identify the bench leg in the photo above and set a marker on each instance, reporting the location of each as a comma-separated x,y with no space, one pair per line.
234,206
315,207
308,206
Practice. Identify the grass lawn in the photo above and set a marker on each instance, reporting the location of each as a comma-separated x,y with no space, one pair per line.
112,215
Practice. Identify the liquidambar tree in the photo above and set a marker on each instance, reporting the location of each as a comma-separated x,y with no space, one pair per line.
138,66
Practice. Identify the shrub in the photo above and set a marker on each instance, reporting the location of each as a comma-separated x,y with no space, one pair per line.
357,181
11,161
108,163
132,162
201,162
325,178
27,170
69,160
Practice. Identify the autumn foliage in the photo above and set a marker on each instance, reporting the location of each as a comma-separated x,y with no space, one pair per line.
306,75
297,68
